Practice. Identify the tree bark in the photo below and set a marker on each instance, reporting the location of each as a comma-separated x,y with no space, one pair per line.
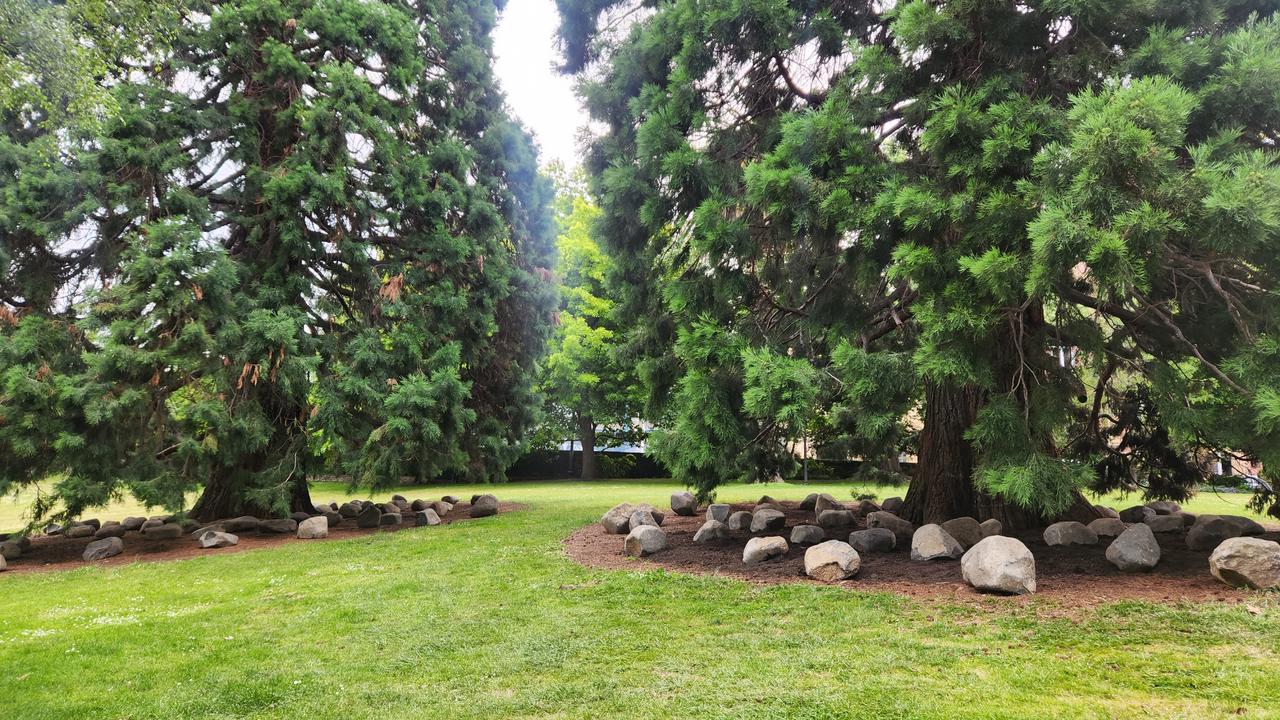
943,484
587,435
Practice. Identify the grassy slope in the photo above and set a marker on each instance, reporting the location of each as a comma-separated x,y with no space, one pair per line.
489,620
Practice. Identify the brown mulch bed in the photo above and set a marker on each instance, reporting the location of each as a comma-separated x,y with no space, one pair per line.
59,553
1074,576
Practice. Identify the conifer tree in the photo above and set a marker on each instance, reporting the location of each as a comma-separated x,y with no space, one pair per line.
312,240
932,206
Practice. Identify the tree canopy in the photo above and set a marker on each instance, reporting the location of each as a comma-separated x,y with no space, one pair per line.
1034,243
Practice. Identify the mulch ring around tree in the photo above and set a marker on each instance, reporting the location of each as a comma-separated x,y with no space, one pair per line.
1072,576
60,553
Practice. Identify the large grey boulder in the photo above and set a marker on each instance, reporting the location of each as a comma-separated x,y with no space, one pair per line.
218,539
739,521
684,504
1165,507
349,509
368,517
831,561
103,549
313,528
1247,526
892,505
132,524
332,518
10,550
642,517
767,520
1247,562
388,519
279,526
451,499
837,521
484,506
1000,564
873,540
711,530
990,528
1069,532
885,519
167,531
245,523
807,535
760,549
1107,527
1136,514
965,530
719,512
645,540
617,521
1135,549
1209,532
825,502
1106,512
426,518
110,530
441,507
80,530
931,542
1164,523
809,501
866,507
298,517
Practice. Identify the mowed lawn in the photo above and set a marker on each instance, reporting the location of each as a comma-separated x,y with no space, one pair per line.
489,619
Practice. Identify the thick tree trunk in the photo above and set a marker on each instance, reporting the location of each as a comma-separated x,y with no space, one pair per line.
943,484
587,435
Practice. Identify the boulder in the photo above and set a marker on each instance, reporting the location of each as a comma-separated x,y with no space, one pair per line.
1069,532
990,528
807,504
1165,507
831,561
484,506
1209,532
451,499
313,528
332,518
965,530
1136,514
97,524
245,523
1106,512
349,510
837,521
278,526
739,521
388,519
767,520
1164,523
1247,526
807,535
617,520
474,498
441,507
53,529
1107,527
766,500
417,505
711,530
426,518
931,542
886,519
866,507
80,531
218,539
1135,549
400,500
390,508
110,530
684,504
188,525
132,524
761,549
767,506
719,512
1000,564
103,549
826,502
892,505
10,550
641,517
645,540
298,517
1247,562
369,517
1188,519
166,531
152,522
873,540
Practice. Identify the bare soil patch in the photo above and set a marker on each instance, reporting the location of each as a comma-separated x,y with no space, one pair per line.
1073,576
61,553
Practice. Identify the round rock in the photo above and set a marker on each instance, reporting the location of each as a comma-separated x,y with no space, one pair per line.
1247,562
767,520
831,561
762,549
873,540
931,542
313,528
1135,550
807,535
645,540
684,504
711,530
1069,532
102,549
1000,564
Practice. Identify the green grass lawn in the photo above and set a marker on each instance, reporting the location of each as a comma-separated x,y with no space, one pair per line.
488,619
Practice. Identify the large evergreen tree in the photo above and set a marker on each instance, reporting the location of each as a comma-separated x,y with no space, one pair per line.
312,239
870,213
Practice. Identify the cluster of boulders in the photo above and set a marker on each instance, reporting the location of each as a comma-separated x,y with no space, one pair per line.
108,537
989,560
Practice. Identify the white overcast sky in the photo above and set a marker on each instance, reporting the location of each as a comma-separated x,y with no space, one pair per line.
524,45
